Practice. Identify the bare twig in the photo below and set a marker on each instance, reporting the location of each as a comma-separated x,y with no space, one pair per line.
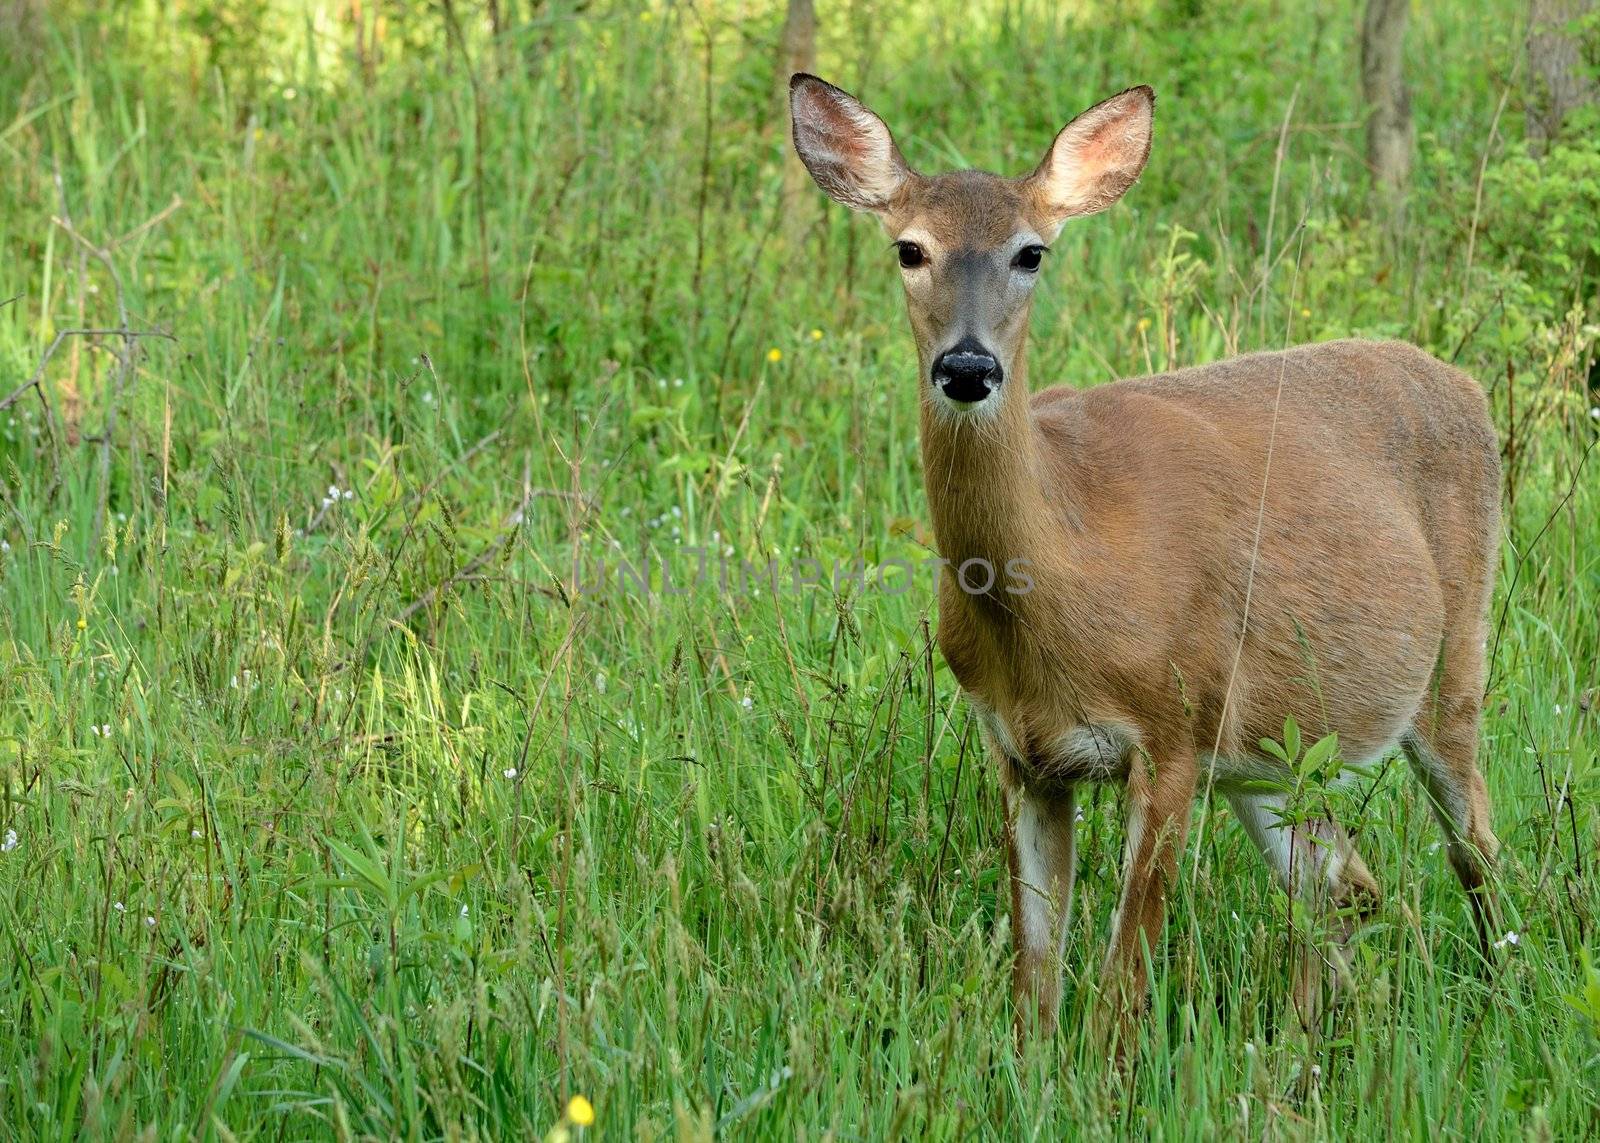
1268,262
125,359
744,292
1477,194
454,27
705,163
1522,559
36,381
534,253
508,529
150,223
1499,299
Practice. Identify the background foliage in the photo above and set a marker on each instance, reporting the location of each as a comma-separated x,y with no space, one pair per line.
332,806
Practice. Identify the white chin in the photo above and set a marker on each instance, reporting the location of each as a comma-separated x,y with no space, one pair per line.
966,406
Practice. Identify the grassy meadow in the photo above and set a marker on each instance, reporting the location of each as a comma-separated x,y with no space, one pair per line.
338,803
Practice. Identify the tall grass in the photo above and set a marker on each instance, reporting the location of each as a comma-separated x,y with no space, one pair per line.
340,809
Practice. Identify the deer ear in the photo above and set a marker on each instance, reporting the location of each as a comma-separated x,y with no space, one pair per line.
847,148
1096,157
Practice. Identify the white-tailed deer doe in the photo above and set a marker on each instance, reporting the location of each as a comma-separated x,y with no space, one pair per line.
1309,533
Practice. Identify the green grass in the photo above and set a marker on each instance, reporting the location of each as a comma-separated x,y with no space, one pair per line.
748,875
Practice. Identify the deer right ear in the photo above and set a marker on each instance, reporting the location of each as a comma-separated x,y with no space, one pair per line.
847,148
1096,157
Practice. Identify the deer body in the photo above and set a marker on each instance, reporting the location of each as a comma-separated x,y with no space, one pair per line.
1308,533
1137,510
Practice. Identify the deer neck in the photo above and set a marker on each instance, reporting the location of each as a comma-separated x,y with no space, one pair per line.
982,477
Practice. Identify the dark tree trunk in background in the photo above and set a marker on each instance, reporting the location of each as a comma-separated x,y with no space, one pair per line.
797,51
1383,87
1559,78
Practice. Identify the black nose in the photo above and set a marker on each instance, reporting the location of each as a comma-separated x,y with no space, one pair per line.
966,372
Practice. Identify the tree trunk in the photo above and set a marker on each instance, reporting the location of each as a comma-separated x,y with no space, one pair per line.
1383,86
1559,78
797,51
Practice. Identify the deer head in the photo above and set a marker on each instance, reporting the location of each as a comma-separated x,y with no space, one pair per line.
970,244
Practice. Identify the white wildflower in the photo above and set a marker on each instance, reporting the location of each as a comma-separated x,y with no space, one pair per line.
1512,938
748,703
149,922
510,771
120,907
600,683
336,494
10,842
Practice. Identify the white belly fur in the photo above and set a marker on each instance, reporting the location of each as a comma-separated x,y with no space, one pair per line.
1102,746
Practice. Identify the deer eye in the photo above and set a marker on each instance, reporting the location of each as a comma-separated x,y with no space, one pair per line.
1029,257
911,255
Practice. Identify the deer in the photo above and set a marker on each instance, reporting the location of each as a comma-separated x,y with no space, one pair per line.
1310,533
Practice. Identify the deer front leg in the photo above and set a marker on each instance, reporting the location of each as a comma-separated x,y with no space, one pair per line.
1039,836
1159,796
1315,861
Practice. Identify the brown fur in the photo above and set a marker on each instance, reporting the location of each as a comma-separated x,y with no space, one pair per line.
1137,505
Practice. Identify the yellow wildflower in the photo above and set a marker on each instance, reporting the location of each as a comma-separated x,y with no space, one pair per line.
1305,313
580,1111
83,624
816,335
774,355
1144,324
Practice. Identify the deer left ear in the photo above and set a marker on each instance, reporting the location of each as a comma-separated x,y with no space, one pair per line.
847,148
1096,157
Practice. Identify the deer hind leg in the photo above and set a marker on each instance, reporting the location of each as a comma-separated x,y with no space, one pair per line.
1315,861
1040,842
1159,797
1442,748
1442,744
